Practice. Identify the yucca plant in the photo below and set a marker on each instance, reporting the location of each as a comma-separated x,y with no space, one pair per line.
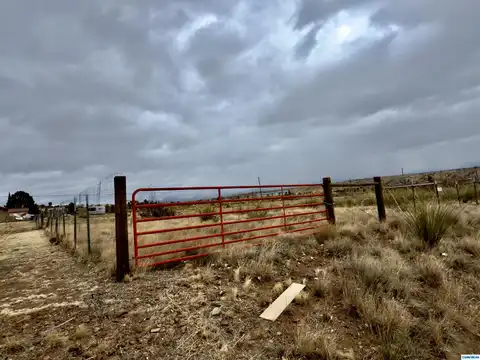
430,222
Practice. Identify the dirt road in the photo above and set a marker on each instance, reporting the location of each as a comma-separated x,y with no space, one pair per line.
36,276
52,306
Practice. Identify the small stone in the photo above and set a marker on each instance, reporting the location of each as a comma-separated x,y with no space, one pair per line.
216,311
154,331
279,333
444,254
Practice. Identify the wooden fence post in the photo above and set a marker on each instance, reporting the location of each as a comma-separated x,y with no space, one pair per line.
63,219
458,192
382,215
437,194
413,193
56,223
75,223
328,199
42,218
121,229
88,226
475,190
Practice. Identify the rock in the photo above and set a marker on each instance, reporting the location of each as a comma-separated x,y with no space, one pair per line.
154,331
444,254
216,311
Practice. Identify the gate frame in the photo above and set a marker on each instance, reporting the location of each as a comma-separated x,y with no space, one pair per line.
219,202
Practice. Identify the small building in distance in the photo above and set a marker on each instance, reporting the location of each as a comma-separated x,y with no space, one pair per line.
96,209
18,212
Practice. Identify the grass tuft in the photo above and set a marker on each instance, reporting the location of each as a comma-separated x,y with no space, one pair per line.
430,271
311,344
430,222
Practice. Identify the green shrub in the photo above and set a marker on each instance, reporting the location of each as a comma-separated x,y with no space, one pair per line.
430,222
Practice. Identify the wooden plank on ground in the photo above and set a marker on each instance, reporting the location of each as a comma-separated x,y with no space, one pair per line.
276,308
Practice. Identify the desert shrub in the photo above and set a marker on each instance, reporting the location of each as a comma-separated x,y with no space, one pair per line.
430,222
207,213
157,212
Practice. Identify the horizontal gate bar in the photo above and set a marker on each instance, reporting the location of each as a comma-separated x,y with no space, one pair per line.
226,212
226,200
203,226
203,237
218,244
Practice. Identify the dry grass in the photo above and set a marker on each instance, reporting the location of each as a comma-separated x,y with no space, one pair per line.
55,340
405,289
313,344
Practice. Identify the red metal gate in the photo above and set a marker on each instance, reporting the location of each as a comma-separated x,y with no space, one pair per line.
220,213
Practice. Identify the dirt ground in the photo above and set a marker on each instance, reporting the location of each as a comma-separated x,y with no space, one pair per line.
55,307
370,293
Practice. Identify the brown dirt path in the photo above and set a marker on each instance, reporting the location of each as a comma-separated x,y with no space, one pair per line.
52,306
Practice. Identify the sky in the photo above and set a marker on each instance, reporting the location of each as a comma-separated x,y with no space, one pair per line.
204,92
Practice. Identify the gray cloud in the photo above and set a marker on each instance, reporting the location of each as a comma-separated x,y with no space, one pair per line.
208,92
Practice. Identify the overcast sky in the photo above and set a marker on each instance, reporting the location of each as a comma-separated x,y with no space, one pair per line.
210,92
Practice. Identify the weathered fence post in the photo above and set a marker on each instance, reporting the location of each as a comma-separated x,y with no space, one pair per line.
475,181
121,229
63,219
75,223
56,223
42,218
328,199
458,192
437,194
88,227
382,215
413,193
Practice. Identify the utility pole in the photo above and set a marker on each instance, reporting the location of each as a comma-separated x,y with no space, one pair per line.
260,187
402,171
99,192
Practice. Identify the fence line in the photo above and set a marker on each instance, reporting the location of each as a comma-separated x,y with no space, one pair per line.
62,222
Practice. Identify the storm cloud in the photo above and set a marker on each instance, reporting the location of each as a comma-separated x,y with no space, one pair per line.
219,92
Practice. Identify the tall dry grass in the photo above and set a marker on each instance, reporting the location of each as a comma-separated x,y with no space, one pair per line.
102,230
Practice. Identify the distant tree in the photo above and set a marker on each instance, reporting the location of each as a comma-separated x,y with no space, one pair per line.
50,204
71,208
22,199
